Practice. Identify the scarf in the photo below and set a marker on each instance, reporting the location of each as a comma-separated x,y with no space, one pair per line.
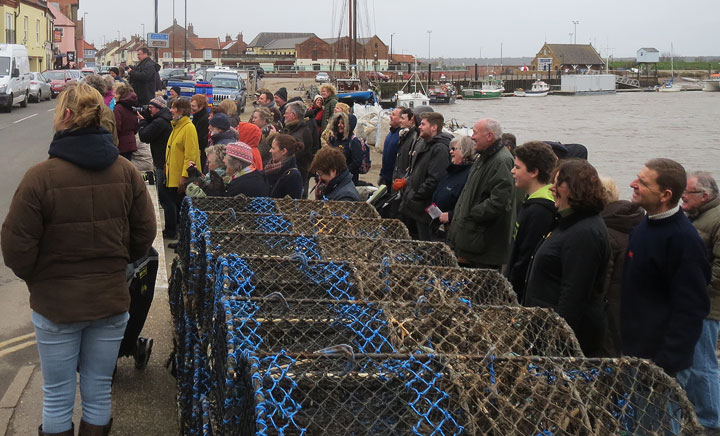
274,167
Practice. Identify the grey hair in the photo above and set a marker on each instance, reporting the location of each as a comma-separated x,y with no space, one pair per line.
219,150
467,146
298,108
97,82
706,182
493,126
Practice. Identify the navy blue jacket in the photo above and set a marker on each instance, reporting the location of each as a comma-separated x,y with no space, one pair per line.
449,188
287,181
341,188
664,292
253,184
390,150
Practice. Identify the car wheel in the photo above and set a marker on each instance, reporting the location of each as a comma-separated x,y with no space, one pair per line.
38,97
25,101
9,105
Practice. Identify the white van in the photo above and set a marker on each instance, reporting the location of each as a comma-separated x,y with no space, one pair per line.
14,76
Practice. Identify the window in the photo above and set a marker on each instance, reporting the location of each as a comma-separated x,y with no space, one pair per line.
316,67
9,33
207,54
314,55
37,31
25,29
167,55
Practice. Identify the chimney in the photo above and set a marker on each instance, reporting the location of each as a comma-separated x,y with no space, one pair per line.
228,38
190,29
240,37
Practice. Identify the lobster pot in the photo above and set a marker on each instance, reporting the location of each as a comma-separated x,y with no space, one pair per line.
343,395
206,89
438,285
265,205
387,251
567,396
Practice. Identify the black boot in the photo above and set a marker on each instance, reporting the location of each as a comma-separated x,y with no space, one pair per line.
70,432
94,430
143,350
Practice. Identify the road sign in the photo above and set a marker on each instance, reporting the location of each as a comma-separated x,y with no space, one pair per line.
160,40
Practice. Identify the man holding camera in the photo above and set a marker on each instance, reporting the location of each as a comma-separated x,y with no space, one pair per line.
154,128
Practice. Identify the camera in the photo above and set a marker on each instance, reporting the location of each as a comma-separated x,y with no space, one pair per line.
266,129
143,110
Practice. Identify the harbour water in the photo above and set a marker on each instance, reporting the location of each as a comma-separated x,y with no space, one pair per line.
621,131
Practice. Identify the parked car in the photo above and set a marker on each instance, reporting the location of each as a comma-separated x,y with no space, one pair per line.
88,71
14,76
58,80
172,74
377,76
322,77
229,86
39,87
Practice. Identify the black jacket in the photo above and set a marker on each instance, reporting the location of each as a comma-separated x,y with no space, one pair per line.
402,162
301,131
252,184
287,181
620,218
449,188
428,166
534,222
349,143
567,274
156,132
202,126
341,188
225,137
142,78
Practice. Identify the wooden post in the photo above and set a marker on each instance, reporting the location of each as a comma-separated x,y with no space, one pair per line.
476,72
429,75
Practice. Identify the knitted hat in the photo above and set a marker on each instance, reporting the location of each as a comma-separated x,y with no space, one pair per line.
240,150
249,133
176,89
158,102
221,121
318,96
282,93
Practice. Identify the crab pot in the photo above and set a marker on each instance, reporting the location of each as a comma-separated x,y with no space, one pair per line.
317,394
384,250
567,396
266,205
439,285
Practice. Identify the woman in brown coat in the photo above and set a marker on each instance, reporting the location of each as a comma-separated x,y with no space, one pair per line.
75,222
126,120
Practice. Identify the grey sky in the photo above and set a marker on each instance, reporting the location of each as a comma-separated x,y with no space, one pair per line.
460,28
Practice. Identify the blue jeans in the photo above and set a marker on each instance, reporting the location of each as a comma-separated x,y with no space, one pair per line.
90,347
702,379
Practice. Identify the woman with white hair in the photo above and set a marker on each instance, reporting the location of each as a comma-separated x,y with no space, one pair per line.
462,152
244,178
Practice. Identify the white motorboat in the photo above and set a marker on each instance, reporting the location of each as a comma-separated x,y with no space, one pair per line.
411,99
539,89
712,84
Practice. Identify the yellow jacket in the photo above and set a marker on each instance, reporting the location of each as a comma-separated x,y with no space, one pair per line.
182,147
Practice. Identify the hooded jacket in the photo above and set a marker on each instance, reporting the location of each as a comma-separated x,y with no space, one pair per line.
328,110
348,143
182,147
429,161
156,132
408,136
251,135
620,218
482,222
126,122
299,130
534,222
75,222
143,80
341,188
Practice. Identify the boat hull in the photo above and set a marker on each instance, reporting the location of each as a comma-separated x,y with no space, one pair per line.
712,86
478,94
447,99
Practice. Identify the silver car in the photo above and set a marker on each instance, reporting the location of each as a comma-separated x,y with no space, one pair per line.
39,87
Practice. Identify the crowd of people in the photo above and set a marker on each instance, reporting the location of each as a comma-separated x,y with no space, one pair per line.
631,278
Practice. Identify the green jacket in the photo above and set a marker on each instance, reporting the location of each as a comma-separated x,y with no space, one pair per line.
328,110
707,222
482,222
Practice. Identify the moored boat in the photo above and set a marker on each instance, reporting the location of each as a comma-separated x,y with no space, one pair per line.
411,99
539,89
490,88
712,84
442,94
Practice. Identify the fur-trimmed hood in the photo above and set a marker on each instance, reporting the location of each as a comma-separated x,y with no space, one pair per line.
349,120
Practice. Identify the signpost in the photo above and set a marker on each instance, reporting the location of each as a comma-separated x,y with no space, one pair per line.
158,40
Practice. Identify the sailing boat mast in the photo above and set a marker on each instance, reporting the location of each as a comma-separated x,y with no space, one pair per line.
352,34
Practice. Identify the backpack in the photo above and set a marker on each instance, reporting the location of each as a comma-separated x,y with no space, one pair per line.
365,163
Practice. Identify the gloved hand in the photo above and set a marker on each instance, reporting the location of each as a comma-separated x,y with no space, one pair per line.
399,184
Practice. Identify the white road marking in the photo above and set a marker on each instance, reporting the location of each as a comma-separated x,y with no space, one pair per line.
50,110
23,119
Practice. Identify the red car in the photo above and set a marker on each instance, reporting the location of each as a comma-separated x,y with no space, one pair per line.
58,81
377,76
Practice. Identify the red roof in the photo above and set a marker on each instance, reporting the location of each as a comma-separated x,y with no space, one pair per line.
87,46
403,58
60,19
200,43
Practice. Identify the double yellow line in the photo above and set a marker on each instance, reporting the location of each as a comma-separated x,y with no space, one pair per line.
17,344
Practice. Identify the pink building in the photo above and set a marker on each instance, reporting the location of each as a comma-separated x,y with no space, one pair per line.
63,38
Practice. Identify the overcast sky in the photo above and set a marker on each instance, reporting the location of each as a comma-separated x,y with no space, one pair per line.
460,28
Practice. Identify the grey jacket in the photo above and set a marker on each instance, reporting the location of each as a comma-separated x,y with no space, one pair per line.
482,223
707,222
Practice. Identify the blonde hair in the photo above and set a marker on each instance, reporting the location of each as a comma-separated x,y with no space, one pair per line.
122,91
79,106
230,107
330,87
612,193
342,107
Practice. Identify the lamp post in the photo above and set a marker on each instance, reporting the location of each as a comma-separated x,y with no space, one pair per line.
429,32
185,50
575,23
391,45
142,37
83,38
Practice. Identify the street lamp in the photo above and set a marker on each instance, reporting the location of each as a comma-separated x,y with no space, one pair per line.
391,45
429,32
575,23
83,39
142,36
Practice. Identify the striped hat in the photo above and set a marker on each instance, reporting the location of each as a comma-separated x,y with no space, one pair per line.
240,150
